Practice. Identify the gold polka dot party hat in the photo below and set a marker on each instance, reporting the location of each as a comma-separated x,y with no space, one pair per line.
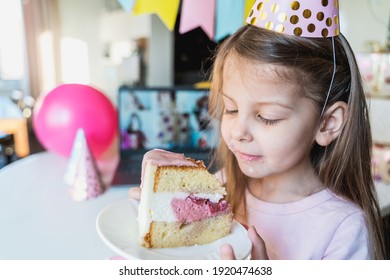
304,18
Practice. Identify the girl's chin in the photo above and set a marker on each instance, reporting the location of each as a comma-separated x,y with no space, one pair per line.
250,170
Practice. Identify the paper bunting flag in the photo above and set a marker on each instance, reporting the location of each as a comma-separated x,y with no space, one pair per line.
127,5
82,174
229,15
198,13
166,10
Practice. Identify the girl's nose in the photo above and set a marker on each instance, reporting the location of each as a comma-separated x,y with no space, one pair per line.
240,131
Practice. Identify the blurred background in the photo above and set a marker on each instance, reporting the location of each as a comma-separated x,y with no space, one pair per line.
44,43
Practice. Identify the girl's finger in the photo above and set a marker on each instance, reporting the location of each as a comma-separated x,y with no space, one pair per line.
259,251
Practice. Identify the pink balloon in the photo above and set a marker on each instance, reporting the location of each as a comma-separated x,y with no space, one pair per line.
69,107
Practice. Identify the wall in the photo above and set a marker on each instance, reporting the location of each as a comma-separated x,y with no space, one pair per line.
362,21
161,57
119,26
85,20
80,20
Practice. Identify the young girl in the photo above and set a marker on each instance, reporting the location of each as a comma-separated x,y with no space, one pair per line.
295,137
294,153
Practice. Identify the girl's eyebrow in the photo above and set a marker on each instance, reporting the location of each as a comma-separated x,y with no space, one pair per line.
270,103
227,96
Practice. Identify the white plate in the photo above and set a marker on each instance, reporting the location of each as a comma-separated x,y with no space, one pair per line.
117,226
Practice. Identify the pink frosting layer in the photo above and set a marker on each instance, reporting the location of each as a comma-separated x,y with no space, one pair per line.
194,208
166,158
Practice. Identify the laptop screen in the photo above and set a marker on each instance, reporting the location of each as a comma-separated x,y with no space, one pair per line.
166,118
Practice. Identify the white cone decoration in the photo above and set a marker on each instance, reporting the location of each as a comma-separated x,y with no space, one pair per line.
82,174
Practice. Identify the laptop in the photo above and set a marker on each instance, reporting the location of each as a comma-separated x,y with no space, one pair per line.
173,119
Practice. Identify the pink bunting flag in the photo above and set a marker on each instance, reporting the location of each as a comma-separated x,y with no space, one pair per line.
198,13
82,174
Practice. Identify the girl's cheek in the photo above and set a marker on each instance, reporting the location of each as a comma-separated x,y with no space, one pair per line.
224,133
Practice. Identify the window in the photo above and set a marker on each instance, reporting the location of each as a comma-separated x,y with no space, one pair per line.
12,47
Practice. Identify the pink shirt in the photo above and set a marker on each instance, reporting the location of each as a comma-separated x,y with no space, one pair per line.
321,226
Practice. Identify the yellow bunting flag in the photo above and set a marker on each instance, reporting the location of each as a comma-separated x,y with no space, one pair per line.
247,8
167,10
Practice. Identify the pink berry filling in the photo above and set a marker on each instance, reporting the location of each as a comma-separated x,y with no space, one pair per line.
195,208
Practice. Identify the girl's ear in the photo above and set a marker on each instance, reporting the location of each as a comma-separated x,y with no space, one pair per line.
332,123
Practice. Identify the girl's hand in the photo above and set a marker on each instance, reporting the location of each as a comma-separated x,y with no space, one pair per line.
258,247
135,192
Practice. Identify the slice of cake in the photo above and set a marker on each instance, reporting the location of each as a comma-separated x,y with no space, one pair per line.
181,203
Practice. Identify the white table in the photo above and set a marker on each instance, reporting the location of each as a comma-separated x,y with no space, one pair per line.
38,218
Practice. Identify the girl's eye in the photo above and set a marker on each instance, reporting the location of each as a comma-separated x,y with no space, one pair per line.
268,121
230,112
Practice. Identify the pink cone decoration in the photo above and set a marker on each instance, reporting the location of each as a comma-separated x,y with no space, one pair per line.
82,174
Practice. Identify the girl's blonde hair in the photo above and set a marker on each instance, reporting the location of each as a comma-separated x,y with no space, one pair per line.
344,165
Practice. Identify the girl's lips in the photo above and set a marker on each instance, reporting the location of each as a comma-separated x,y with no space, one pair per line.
243,156
248,157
